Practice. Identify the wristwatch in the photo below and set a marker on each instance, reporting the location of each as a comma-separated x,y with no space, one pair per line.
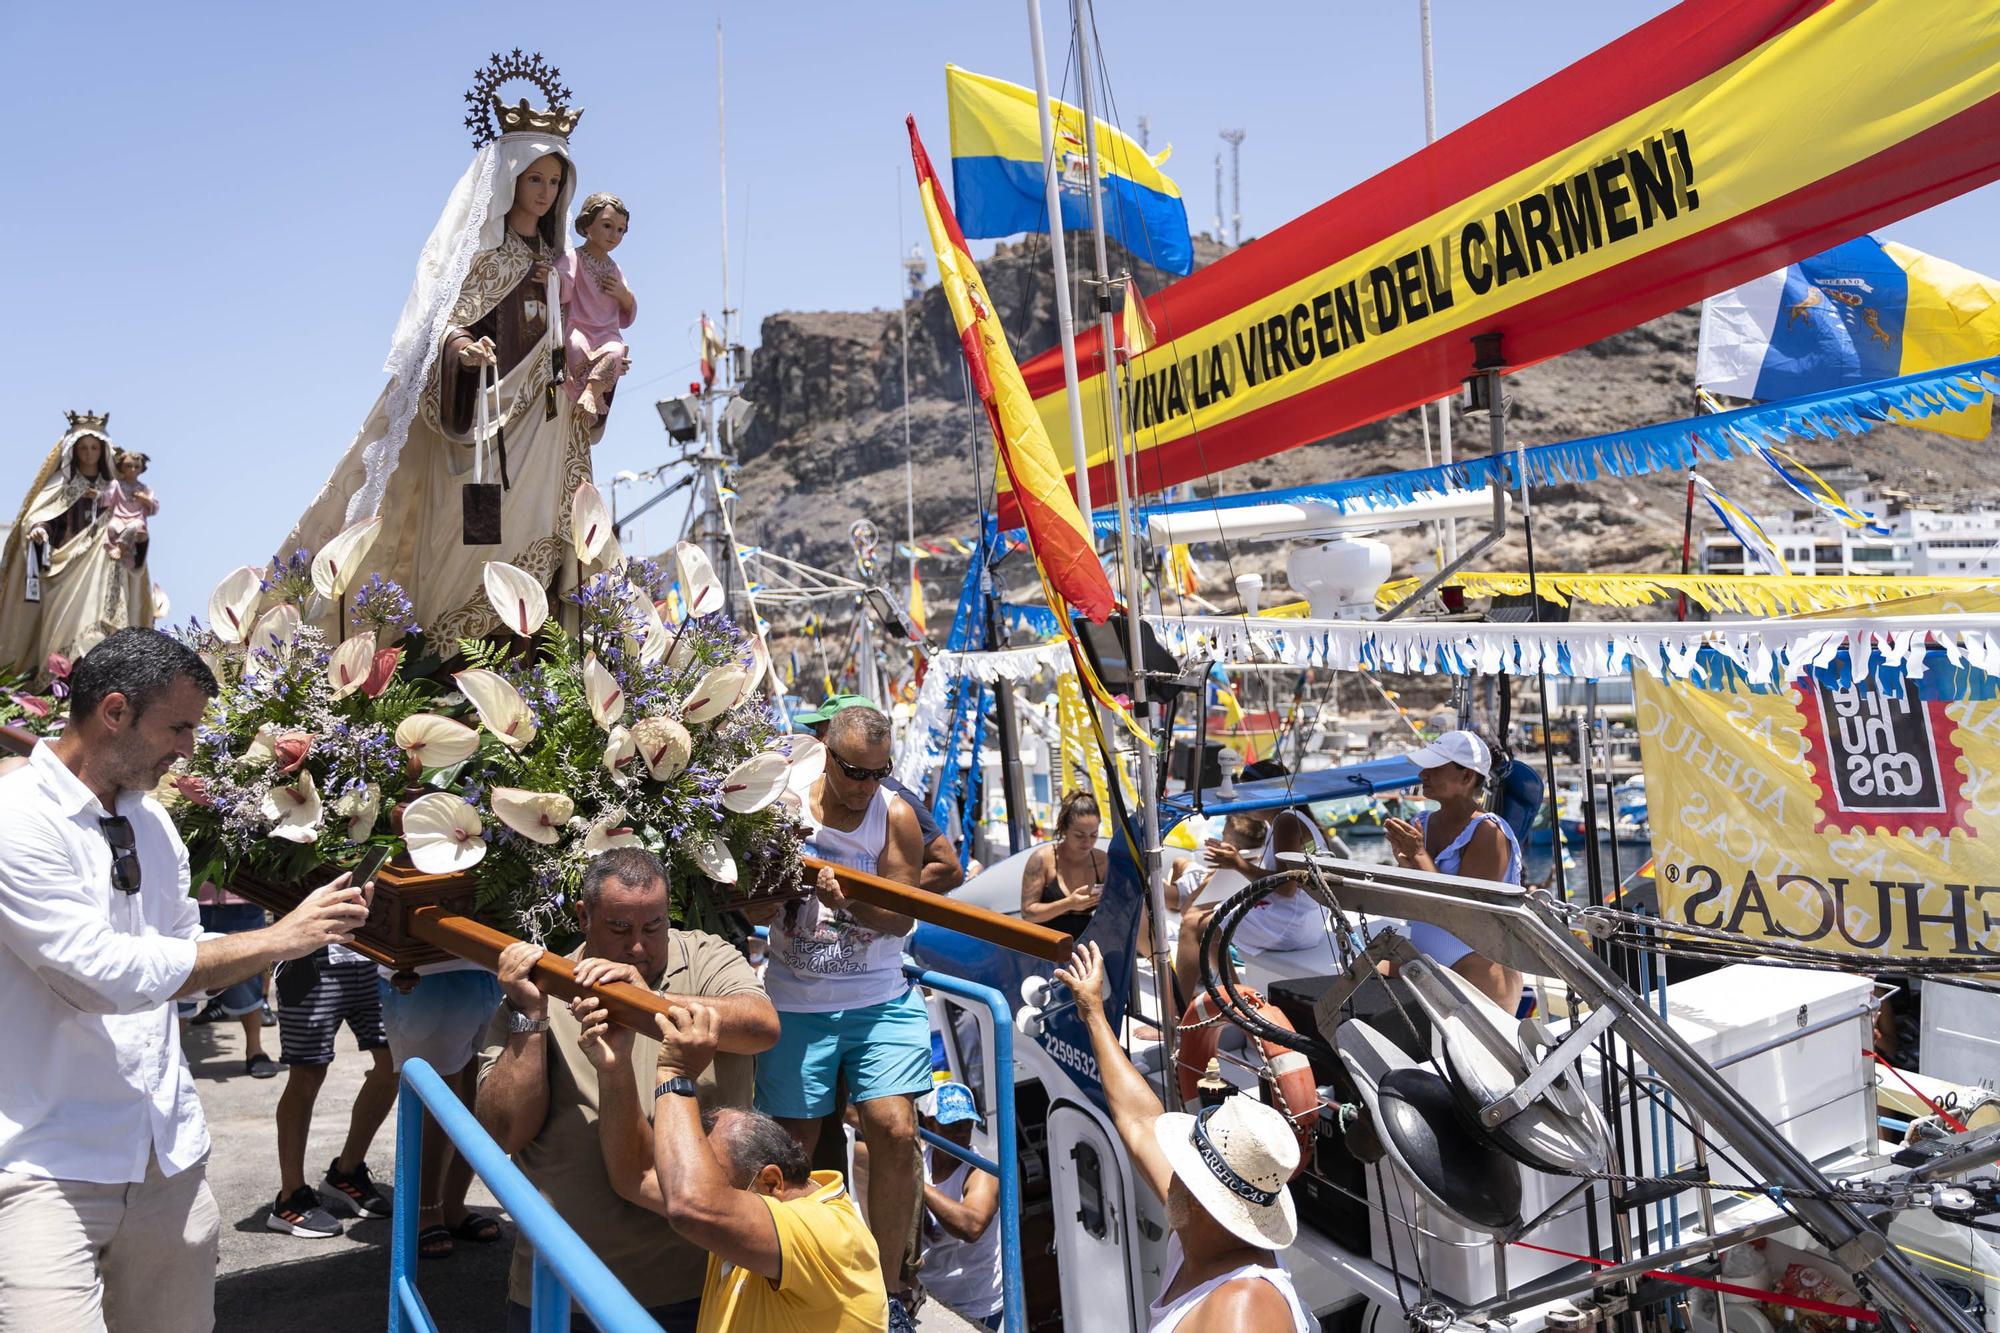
680,1085
520,1022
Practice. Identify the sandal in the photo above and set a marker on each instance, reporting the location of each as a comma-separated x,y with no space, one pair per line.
434,1242
479,1228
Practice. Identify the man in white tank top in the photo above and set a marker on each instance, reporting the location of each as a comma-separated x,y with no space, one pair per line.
835,976
1222,1176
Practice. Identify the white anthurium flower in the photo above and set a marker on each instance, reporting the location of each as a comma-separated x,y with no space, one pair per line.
714,695
517,597
233,604
589,522
536,815
436,742
607,700
608,832
260,749
294,811
499,705
619,747
681,652
807,763
333,569
442,831
663,745
755,677
654,640
348,667
712,855
613,555
701,591
275,629
754,783
360,808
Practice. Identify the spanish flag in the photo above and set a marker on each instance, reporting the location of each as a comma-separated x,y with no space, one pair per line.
1056,532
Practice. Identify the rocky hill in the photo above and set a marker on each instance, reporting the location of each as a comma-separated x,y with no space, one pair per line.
828,446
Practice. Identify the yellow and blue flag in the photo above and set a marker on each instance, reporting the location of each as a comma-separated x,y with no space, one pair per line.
1867,310
997,181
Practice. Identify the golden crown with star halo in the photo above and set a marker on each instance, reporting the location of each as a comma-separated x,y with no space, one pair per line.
88,420
490,117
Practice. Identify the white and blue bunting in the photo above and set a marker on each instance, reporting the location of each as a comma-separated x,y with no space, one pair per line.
1670,446
1762,653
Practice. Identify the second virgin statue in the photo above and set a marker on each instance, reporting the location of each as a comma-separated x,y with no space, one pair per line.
484,309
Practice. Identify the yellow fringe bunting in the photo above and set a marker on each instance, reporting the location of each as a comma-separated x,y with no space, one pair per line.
1752,594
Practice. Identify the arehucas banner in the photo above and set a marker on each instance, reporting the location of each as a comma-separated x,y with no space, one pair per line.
1857,819
1720,141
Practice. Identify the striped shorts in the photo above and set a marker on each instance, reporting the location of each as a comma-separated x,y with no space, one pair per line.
315,997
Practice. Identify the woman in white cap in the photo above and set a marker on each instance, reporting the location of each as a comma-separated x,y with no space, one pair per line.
1459,838
1222,1176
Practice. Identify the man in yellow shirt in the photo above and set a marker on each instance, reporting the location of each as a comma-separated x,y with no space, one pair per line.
788,1250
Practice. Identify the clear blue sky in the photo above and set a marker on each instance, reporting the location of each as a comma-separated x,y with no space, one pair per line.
215,210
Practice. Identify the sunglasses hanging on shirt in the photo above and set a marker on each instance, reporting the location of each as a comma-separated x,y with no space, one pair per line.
117,832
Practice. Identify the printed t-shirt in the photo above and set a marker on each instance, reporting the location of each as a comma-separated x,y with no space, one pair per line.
565,1159
829,1272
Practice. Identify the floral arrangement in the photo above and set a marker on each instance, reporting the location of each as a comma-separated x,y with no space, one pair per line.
37,712
550,748
297,757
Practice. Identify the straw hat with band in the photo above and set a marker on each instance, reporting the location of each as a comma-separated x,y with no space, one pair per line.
1235,1159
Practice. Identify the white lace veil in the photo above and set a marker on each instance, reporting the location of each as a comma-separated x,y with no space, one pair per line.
473,219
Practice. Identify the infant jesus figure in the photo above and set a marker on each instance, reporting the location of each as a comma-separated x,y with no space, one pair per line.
597,306
131,502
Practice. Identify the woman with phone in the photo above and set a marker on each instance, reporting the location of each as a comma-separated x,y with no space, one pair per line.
1065,878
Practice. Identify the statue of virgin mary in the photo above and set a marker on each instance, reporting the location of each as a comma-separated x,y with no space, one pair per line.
479,309
61,588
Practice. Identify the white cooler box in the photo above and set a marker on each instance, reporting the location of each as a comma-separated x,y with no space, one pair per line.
1816,1088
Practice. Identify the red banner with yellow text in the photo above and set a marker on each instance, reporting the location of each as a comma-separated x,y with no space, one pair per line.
1720,141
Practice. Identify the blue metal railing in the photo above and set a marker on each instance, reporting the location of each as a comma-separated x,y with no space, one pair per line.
1013,1308
564,1267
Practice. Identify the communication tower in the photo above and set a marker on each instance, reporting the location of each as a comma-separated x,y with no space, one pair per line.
1234,138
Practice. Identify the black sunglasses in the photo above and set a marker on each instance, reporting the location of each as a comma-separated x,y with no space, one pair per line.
117,831
855,774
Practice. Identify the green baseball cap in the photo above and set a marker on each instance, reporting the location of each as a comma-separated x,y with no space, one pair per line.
832,704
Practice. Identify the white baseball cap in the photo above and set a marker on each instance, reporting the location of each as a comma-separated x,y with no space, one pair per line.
1456,747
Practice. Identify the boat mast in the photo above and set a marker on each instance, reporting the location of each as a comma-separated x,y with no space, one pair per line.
1065,317
1443,405
1149,865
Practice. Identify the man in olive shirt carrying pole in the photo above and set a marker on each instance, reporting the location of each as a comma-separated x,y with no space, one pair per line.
538,1091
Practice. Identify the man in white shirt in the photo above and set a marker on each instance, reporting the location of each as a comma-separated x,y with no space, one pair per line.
106,1220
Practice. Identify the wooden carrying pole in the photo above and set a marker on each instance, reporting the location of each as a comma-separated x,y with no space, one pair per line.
630,1006
979,922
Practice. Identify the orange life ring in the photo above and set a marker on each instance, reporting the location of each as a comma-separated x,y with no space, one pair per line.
1201,1036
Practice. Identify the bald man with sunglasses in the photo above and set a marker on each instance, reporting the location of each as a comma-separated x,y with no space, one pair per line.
845,1010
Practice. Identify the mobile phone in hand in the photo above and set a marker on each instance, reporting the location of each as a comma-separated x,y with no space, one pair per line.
370,862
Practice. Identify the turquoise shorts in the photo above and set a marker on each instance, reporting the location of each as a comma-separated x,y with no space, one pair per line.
883,1050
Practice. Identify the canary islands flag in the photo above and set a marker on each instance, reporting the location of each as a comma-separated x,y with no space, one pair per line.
997,182
1866,310
1057,537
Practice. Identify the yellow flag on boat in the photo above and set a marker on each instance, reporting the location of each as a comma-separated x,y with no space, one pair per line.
1844,819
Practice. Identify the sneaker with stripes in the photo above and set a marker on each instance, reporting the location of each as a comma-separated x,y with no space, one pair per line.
302,1214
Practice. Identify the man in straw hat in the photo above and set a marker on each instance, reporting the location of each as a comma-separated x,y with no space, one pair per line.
1222,1176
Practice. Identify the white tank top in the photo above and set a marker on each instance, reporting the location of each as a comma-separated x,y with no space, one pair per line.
1167,1318
1279,922
822,961
962,1274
